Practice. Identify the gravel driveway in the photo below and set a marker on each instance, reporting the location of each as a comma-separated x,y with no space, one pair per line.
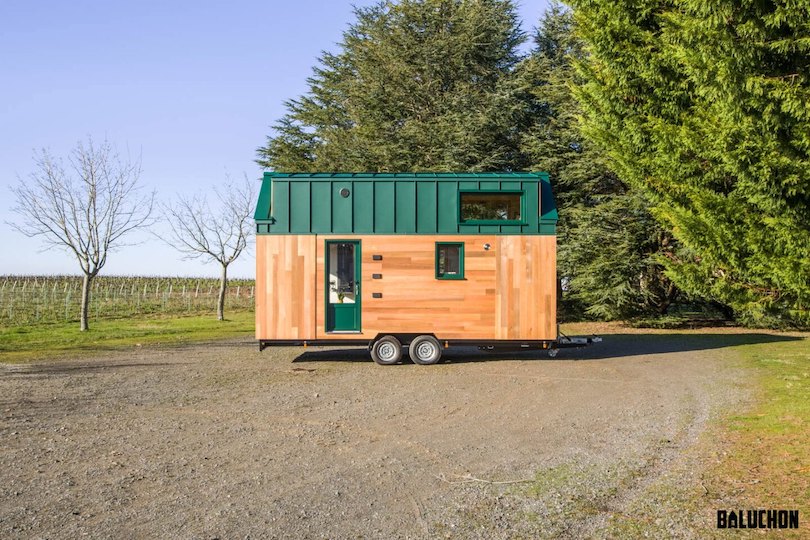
221,441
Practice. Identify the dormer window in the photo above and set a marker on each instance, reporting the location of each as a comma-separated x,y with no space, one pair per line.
491,206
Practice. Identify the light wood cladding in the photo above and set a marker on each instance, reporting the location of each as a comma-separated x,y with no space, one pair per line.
285,287
509,291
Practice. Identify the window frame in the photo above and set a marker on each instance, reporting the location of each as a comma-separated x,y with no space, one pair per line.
520,192
445,276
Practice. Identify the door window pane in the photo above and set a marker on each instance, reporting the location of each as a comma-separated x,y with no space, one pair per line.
345,267
342,287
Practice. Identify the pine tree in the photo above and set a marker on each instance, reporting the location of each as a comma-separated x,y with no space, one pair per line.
608,239
417,85
703,104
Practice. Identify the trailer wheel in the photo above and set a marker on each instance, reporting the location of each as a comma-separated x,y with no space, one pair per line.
425,350
386,351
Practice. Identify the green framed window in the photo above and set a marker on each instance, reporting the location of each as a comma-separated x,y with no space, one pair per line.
449,260
491,207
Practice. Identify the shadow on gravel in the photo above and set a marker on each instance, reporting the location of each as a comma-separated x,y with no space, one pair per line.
62,369
334,355
624,345
612,346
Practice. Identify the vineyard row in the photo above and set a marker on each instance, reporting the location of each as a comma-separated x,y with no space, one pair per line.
40,299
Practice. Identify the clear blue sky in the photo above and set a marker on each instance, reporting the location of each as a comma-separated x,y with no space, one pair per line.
192,87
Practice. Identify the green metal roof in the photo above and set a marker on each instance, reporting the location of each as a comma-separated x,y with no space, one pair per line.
396,203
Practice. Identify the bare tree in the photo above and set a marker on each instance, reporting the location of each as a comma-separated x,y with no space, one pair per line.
86,208
221,233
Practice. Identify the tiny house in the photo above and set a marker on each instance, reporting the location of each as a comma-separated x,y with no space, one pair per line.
416,262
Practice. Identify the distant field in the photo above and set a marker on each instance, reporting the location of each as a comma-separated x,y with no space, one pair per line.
56,299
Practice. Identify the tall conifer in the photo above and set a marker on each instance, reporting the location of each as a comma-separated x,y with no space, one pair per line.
608,240
417,85
703,104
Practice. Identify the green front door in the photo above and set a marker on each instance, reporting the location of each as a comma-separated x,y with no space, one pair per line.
343,285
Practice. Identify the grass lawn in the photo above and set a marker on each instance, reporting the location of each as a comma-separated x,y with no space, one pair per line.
767,464
27,343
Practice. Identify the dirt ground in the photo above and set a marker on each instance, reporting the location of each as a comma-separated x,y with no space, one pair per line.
221,441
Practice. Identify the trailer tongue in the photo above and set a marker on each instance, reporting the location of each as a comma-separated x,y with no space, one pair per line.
565,342
553,347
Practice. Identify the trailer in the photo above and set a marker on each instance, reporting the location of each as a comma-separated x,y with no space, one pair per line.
419,262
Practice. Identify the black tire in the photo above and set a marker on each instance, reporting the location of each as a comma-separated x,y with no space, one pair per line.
386,351
425,350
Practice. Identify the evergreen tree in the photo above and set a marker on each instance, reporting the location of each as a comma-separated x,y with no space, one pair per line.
703,104
607,238
417,85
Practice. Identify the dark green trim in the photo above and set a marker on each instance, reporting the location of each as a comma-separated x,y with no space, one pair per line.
548,210
358,261
460,274
263,204
491,191
493,222
548,228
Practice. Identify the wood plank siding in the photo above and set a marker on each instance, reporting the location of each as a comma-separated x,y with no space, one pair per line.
285,287
509,291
